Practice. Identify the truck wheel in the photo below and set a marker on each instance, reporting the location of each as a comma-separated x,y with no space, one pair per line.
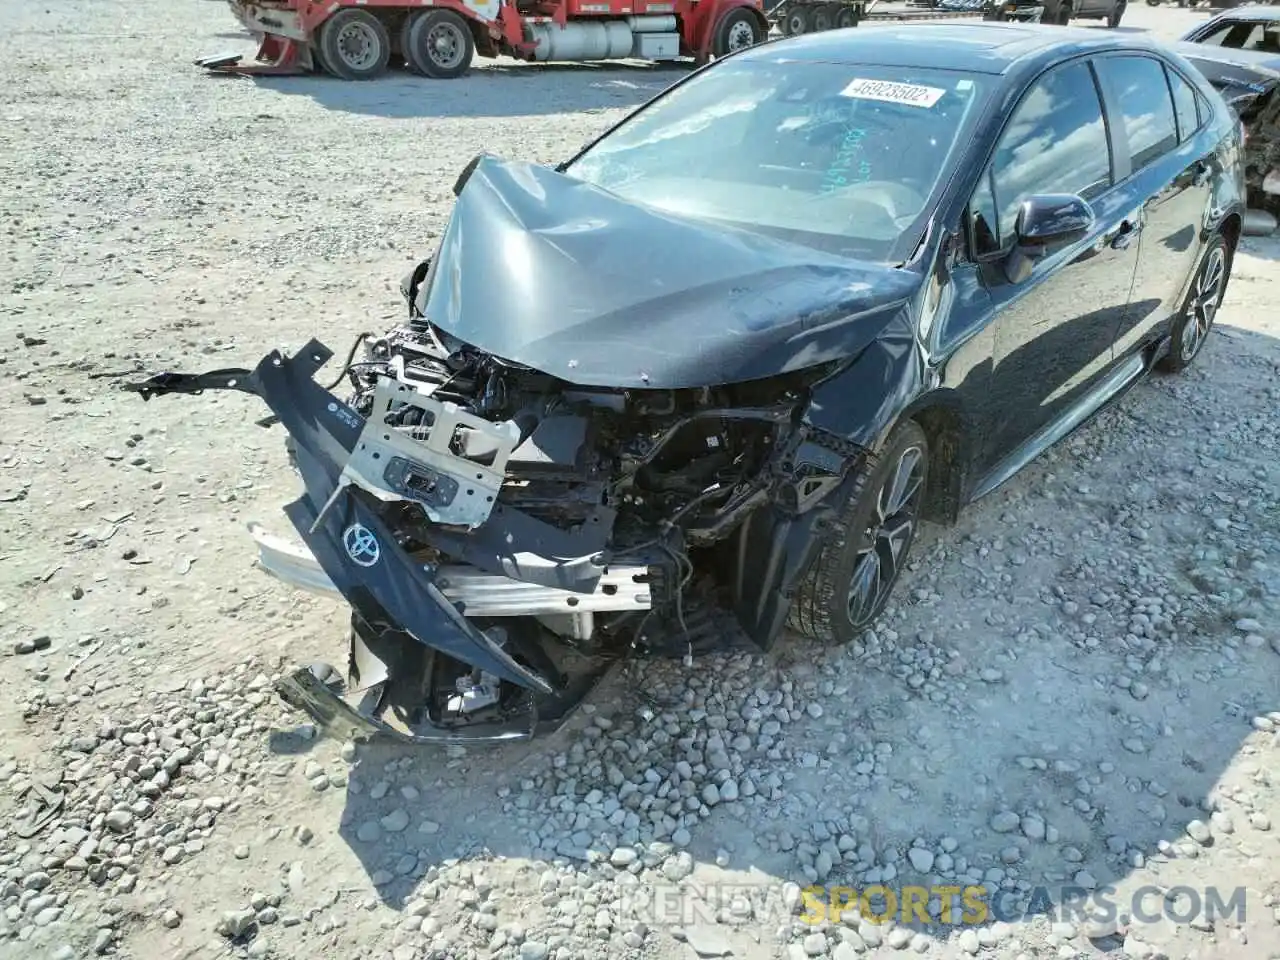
1117,13
438,44
354,45
795,22
738,30
820,19
846,17
1063,16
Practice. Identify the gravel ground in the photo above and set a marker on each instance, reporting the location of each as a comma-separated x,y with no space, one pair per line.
1078,686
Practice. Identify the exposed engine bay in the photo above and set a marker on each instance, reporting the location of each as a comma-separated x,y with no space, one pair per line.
555,527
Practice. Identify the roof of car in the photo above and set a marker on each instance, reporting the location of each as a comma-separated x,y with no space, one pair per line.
1249,13
973,47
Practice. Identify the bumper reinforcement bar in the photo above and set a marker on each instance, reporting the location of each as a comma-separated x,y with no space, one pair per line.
482,594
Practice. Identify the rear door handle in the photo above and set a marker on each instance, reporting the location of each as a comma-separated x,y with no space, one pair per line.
1124,236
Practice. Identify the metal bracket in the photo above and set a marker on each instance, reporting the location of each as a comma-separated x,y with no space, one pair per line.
420,464
163,384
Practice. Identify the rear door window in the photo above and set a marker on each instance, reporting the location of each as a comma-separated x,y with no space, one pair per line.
1141,94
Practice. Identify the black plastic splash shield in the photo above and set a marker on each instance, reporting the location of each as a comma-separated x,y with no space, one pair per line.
351,543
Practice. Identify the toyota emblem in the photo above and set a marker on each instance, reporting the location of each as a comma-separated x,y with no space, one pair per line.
362,546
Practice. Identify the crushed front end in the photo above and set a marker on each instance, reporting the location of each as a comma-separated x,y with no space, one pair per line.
503,536
514,496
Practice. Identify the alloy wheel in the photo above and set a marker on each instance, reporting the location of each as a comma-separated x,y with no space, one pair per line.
887,537
1203,306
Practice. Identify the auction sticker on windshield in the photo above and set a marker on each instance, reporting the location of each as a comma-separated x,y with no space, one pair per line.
890,92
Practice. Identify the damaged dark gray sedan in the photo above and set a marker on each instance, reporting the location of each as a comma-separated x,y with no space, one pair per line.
702,382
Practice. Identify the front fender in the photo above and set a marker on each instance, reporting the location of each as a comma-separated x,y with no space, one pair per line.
861,402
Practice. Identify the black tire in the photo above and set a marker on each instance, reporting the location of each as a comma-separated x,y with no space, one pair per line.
862,541
354,45
738,29
820,19
1194,321
1117,14
796,22
846,17
438,44
1062,17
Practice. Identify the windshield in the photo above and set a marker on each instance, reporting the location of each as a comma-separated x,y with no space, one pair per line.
842,157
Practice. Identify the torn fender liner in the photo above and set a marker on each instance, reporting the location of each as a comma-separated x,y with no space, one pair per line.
628,296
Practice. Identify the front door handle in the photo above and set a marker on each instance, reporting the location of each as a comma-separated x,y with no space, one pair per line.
1202,174
1124,236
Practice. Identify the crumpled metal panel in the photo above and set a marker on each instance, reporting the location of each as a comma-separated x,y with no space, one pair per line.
545,270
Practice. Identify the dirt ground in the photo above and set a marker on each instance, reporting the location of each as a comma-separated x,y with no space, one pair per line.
1077,688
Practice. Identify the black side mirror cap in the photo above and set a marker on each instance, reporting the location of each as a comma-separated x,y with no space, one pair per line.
1052,219
1046,221
466,173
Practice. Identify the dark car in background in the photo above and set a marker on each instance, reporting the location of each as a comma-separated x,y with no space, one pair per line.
1239,52
1063,12
716,368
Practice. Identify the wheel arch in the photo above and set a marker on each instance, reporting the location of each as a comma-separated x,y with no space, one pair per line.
888,384
942,416
1231,227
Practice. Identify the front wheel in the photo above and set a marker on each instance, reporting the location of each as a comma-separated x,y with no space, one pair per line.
1117,13
738,30
850,581
1192,324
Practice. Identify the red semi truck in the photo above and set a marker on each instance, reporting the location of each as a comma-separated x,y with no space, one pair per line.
357,39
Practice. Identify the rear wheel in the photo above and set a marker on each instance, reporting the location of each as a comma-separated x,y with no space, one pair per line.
853,576
796,22
1063,16
438,44
1117,13
738,30
354,45
1191,327
820,19
846,17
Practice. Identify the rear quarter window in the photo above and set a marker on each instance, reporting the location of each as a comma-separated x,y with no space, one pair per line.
1186,104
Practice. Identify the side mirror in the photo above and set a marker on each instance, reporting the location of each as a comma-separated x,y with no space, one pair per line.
466,173
1052,219
1046,221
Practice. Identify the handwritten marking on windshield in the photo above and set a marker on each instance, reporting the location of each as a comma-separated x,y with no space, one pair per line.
889,92
847,167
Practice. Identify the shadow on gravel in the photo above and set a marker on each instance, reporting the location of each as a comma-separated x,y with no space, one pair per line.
1049,704
499,90
1267,248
